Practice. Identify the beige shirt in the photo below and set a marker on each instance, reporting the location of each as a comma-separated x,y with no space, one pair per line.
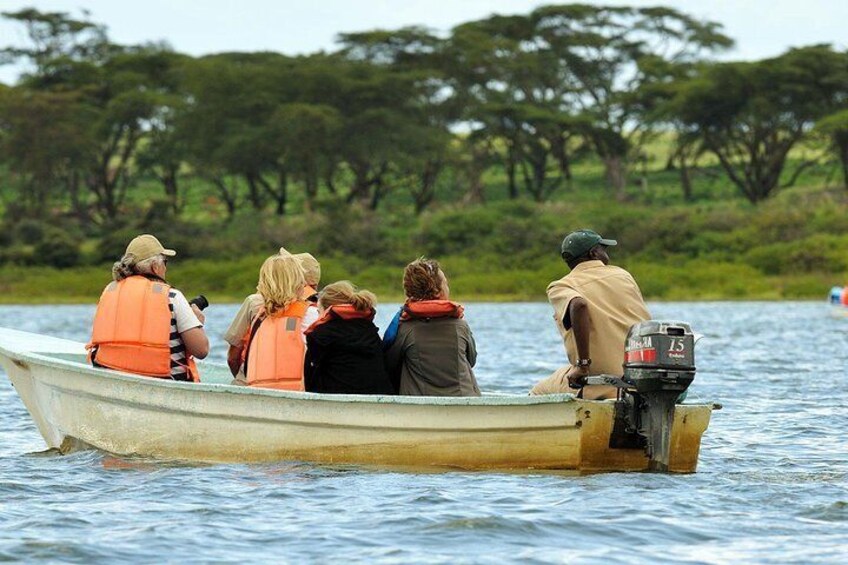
615,304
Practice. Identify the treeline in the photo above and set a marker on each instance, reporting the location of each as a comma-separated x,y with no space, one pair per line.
393,111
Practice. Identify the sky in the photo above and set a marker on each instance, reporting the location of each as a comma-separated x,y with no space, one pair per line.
761,28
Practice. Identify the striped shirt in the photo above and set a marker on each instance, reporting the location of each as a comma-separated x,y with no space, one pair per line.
182,320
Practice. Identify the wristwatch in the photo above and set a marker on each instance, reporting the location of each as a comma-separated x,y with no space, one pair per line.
583,363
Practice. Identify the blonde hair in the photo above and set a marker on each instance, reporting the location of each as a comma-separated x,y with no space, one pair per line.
343,292
280,282
128,266
422,279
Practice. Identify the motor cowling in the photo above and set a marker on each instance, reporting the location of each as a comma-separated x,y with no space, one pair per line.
659,356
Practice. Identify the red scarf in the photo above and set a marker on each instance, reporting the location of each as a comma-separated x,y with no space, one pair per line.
343,311
428,309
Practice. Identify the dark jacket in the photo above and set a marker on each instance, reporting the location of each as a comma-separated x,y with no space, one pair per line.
345,357
433,357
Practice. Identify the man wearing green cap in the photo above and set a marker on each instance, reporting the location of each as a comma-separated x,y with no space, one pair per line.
594,306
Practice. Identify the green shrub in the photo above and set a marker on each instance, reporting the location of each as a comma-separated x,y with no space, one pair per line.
17,255
347,230
57,249
113,244
773,223
818,253
453,231
6,235
29,232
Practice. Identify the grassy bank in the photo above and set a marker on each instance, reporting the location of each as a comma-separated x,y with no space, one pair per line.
230,281
716,246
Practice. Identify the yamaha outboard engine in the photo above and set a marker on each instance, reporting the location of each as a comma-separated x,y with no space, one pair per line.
659,365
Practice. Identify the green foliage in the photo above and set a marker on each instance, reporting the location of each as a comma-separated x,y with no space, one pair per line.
57,249
750,115
348,230
354,156
29,232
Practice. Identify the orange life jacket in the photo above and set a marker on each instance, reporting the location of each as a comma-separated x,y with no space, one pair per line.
132,329
845,296
428,309
343,311
274,350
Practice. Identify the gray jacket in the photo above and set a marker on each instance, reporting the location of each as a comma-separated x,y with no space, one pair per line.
433,357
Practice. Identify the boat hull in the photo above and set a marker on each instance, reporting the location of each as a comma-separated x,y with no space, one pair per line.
71,402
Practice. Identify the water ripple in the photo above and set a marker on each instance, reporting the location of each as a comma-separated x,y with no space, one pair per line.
772,484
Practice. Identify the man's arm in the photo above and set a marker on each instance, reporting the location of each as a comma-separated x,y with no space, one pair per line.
241,323
196,342
234,359
577,316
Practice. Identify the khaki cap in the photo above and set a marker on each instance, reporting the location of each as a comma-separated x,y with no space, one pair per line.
310,265
146,246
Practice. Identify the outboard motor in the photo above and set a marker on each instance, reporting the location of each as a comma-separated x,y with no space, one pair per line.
659,365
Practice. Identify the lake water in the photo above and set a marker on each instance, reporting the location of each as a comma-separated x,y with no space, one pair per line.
771,486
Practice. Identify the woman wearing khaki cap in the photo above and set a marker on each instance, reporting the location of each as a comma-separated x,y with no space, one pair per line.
142,324
251,306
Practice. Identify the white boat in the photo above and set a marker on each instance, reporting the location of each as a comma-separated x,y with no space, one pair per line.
74,404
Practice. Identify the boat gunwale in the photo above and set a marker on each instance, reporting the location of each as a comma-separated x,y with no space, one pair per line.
45,359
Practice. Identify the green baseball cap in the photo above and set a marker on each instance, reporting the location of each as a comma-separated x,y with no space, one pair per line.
578,243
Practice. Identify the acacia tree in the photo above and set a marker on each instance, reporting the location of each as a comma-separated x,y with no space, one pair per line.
164,150
750,115
115,88
307,138
510,94
57,40
835,126
126,98
231,99
412,59
607,55
834,123
44,139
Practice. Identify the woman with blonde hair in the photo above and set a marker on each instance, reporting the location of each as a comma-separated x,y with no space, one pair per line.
273,350
344,354
251,306
433,351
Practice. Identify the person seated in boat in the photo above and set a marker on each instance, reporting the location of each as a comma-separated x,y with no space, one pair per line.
142,324
433,352
274,345
234,336
594,306
344,353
